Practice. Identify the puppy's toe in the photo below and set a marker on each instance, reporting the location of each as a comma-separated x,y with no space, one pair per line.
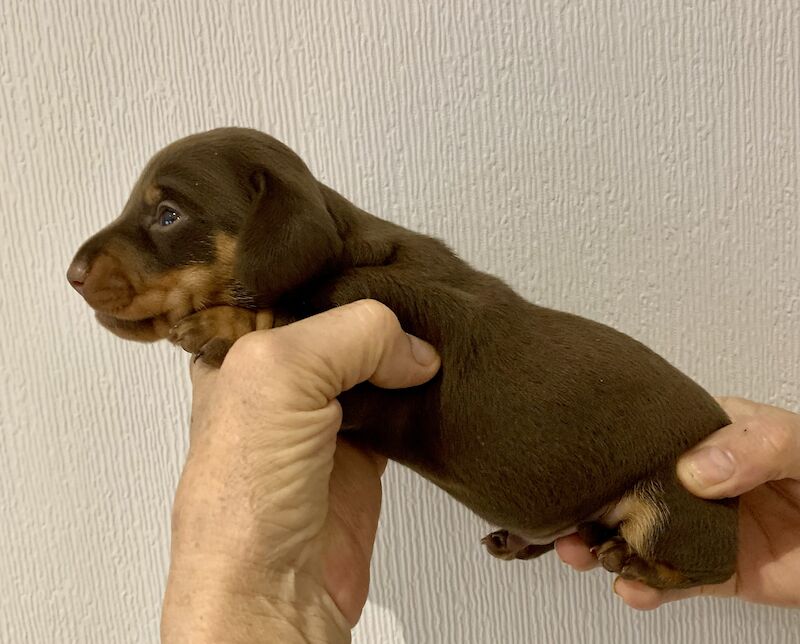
505,545
497,544
191,333
614,554
230,323
617,556
214,351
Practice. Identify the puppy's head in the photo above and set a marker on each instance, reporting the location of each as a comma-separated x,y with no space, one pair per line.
229,216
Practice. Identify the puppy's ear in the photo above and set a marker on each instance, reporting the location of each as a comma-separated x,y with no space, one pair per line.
288,239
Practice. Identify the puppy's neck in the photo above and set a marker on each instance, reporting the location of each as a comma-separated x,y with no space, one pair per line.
367,240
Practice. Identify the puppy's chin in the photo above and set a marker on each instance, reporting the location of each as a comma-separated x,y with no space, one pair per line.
147,330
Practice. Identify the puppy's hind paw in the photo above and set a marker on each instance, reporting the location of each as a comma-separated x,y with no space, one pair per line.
617,556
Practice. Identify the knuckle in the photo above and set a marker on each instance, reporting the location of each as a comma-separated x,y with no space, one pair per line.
376,314
254,349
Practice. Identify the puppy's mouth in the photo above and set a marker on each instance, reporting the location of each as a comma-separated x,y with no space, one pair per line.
143,330
137,303
145,307
135,314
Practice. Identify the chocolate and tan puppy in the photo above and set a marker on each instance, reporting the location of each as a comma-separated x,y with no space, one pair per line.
541,422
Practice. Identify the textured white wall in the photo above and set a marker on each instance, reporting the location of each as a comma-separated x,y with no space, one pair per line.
636,162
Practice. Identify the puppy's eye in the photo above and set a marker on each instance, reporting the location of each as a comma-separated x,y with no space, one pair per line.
168,217
167,214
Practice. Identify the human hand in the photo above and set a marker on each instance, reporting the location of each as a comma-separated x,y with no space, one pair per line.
274,520
757,457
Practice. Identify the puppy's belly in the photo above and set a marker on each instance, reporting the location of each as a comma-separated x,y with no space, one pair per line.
543,538
610,516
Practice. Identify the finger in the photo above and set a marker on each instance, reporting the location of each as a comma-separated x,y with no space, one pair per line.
575,553
738,408
339,349
371,346
743,455
642,597
741,408
355,501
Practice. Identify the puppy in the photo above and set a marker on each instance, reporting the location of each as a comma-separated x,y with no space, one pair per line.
541,422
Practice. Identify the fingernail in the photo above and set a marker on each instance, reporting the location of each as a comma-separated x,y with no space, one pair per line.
423,352
710,466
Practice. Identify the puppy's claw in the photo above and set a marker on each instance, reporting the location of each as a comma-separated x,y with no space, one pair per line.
505,545
214,351
497,544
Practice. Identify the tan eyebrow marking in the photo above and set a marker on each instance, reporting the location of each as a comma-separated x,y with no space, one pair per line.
153,195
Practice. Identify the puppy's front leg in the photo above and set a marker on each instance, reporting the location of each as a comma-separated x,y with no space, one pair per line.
505,545
210,333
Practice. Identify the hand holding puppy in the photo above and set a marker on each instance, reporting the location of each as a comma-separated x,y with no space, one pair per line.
273,521
757,457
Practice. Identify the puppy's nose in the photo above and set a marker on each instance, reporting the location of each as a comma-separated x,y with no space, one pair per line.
77,273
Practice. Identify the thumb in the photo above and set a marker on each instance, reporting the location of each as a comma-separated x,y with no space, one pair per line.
744,455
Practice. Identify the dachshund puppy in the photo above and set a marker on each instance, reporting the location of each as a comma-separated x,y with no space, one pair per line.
541,422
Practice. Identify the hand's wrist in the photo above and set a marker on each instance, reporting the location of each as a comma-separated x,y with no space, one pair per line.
221,602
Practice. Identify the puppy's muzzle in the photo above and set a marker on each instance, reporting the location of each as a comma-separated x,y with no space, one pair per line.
101,281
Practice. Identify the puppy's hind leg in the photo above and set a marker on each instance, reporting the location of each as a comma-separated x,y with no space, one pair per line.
669,538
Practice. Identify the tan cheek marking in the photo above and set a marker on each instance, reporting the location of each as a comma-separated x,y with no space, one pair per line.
147,304
175,294
225,251
644,517
182,291
191,291
222,269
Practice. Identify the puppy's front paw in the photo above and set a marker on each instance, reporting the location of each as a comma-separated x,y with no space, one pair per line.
210,333
505,545
497,544
214,351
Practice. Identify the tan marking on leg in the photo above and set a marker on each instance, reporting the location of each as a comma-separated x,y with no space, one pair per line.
670,578
224,322
265,319
644,516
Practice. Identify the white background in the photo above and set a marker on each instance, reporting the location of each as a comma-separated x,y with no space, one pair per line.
634,162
